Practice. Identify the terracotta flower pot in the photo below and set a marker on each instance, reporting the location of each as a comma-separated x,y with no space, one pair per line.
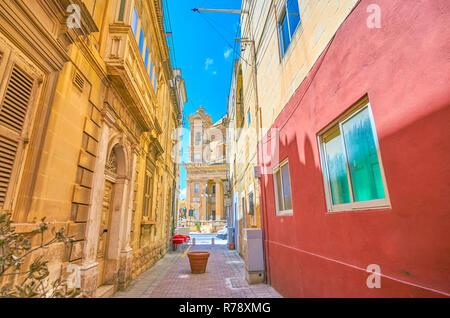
231,246
198,261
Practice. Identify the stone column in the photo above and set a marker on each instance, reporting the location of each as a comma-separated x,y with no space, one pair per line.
89,264
188,197
219,200
116,237
204,201
126,251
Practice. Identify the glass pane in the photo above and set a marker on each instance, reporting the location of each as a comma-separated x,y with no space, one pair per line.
122,7
151,69
146,57
284,30
134,22
251,204
286,187
294,15
141,42
362,158
278,190
337,171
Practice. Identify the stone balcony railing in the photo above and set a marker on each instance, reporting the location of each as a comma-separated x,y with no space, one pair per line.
127,71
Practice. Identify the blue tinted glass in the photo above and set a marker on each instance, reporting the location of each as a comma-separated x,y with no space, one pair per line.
284,33
362,157
134,22
141,42
294,15
337,171
286,187
146,57
151,70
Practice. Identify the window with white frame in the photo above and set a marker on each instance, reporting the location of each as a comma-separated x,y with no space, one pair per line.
351,162
290,19
196,188
282,188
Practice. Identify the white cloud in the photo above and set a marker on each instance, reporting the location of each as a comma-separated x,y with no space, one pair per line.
208,62
183,194
214,73
227,53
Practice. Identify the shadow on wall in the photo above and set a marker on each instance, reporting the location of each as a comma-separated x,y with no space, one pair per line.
330,252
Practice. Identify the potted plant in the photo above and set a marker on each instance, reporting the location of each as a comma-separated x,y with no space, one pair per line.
198,261
197,225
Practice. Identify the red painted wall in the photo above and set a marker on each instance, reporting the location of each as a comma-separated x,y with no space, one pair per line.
404,67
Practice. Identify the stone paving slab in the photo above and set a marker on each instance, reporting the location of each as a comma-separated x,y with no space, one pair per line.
171,277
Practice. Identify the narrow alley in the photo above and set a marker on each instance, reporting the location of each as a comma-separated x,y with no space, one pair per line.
171,278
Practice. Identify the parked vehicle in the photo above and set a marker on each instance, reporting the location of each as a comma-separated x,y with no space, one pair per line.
223,233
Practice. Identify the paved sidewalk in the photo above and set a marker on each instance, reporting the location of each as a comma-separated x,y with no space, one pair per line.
171,277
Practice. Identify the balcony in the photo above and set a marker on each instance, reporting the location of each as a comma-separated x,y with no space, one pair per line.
127,71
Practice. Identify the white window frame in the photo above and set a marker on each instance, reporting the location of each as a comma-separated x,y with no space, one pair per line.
352,206
284,12
275,187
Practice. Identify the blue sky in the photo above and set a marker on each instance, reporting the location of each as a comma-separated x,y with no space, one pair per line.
204,56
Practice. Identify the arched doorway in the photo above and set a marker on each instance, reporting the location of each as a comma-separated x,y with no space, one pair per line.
115,172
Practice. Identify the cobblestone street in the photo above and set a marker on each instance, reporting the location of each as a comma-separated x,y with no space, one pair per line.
171,277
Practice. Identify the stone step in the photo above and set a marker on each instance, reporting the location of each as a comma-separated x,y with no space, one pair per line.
104,291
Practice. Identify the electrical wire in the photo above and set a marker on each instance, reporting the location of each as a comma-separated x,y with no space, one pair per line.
223,37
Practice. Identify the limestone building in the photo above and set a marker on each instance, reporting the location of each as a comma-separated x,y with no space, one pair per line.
206,167
88,104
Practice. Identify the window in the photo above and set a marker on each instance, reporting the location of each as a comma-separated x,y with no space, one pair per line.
196,199
134,22
251,208
154,81
16,100
249,118
213,189
141,42
351,162
147,194
146,57
196,188
213,199
282,186
151,70
121,10
289,21
197,137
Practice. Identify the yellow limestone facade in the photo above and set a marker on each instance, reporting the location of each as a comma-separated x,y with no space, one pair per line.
86,121
206,168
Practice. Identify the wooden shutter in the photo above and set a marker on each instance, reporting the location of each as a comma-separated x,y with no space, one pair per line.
13,111
8,149
15,103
